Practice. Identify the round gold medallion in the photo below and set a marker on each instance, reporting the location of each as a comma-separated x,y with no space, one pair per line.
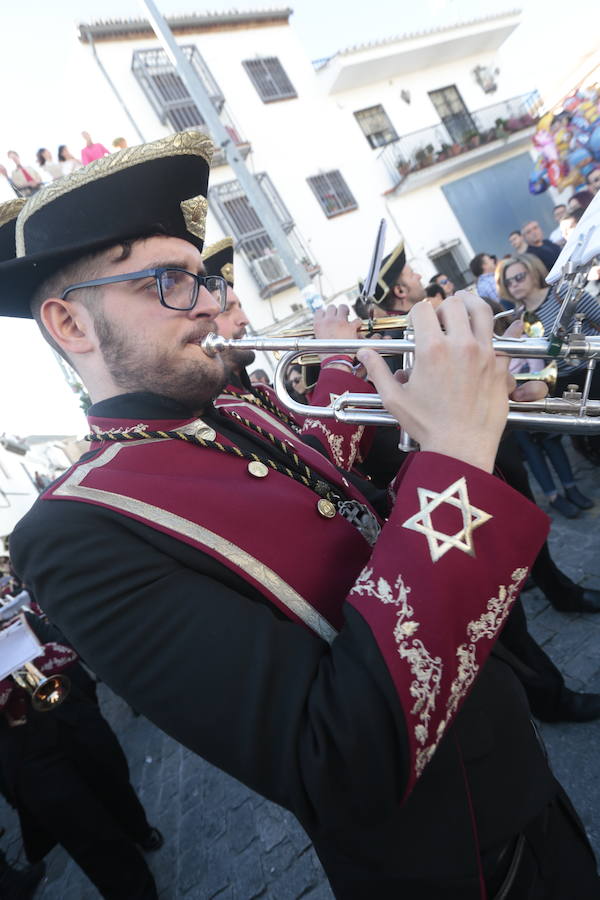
326,508
258,469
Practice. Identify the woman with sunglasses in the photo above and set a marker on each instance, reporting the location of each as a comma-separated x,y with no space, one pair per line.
521,279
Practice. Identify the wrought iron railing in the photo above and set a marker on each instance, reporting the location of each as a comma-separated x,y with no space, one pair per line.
421,149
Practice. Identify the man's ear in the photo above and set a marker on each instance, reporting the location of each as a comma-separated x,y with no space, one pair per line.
398,291
69,324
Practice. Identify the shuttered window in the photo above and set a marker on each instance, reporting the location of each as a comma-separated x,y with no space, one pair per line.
333,193
269,78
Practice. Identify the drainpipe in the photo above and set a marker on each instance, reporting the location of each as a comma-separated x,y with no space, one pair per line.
113,87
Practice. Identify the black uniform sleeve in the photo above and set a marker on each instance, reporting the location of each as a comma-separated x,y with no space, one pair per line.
316,728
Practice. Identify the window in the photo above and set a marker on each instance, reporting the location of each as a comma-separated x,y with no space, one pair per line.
269,78
166,91
238,217
376,126
451,109
333,193
450,261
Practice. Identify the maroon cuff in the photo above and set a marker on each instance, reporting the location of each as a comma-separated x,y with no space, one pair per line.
344,443
440,583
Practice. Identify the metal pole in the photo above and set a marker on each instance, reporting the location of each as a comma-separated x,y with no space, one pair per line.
113,88
221,137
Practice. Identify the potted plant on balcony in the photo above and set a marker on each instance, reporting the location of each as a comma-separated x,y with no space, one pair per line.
444,152
472,138
404,167
501,130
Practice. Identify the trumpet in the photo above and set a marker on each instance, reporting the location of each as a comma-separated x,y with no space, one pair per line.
46,692
367,327
19,646
573,413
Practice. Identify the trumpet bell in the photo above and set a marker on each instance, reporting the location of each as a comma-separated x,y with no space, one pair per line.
50,693
46,693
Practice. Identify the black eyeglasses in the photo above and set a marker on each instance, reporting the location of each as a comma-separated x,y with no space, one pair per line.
176,288
515,279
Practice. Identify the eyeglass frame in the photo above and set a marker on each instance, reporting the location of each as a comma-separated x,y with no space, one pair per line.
515,279
156,273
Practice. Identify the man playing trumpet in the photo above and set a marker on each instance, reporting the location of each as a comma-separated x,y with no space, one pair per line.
358,687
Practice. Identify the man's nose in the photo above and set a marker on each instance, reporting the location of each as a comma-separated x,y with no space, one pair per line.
207,305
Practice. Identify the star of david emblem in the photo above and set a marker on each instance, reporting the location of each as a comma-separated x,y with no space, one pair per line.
439,543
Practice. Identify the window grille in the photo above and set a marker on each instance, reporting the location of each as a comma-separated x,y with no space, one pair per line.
269,78
166,91
237,217
376,126
333,193
453,112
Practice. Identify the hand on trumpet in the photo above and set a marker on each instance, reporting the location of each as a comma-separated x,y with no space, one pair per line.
332,322
455,400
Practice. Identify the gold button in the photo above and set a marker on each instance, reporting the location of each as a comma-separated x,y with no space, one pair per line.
205,432
326,508
258,469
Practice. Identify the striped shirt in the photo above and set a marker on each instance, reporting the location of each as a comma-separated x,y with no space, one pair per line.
549,310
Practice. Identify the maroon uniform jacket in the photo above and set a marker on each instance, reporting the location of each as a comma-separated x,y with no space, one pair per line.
345,445
345,681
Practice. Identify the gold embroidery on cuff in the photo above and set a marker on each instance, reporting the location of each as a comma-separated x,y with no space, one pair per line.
439,543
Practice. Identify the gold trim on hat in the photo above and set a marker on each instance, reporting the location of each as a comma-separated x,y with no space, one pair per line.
223,244
227,272
184,143
194,213
11,209
389,263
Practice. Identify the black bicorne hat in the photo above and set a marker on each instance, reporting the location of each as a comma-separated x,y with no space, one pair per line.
153,188
218,259
8,221
389,273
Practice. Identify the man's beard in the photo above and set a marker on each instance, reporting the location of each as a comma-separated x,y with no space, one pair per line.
236,360
192,382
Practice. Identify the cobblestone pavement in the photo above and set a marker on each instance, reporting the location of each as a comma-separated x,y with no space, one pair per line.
224,841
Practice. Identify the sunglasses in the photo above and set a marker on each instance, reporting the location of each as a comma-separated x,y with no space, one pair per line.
443,281
516,279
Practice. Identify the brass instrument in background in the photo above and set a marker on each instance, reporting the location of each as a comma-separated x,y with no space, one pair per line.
549,375
573,413
367,328
47,692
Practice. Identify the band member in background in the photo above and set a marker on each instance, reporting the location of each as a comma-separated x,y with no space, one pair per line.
344,443
352,677
65,773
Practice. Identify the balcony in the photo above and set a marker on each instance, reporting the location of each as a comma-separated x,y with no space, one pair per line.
456,144
171,101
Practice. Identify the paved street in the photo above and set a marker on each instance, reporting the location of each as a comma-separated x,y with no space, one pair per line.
223,841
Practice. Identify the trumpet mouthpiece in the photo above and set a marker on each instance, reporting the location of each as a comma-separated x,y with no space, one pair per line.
213,344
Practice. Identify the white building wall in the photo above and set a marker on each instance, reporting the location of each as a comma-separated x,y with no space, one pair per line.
17,490
314,133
